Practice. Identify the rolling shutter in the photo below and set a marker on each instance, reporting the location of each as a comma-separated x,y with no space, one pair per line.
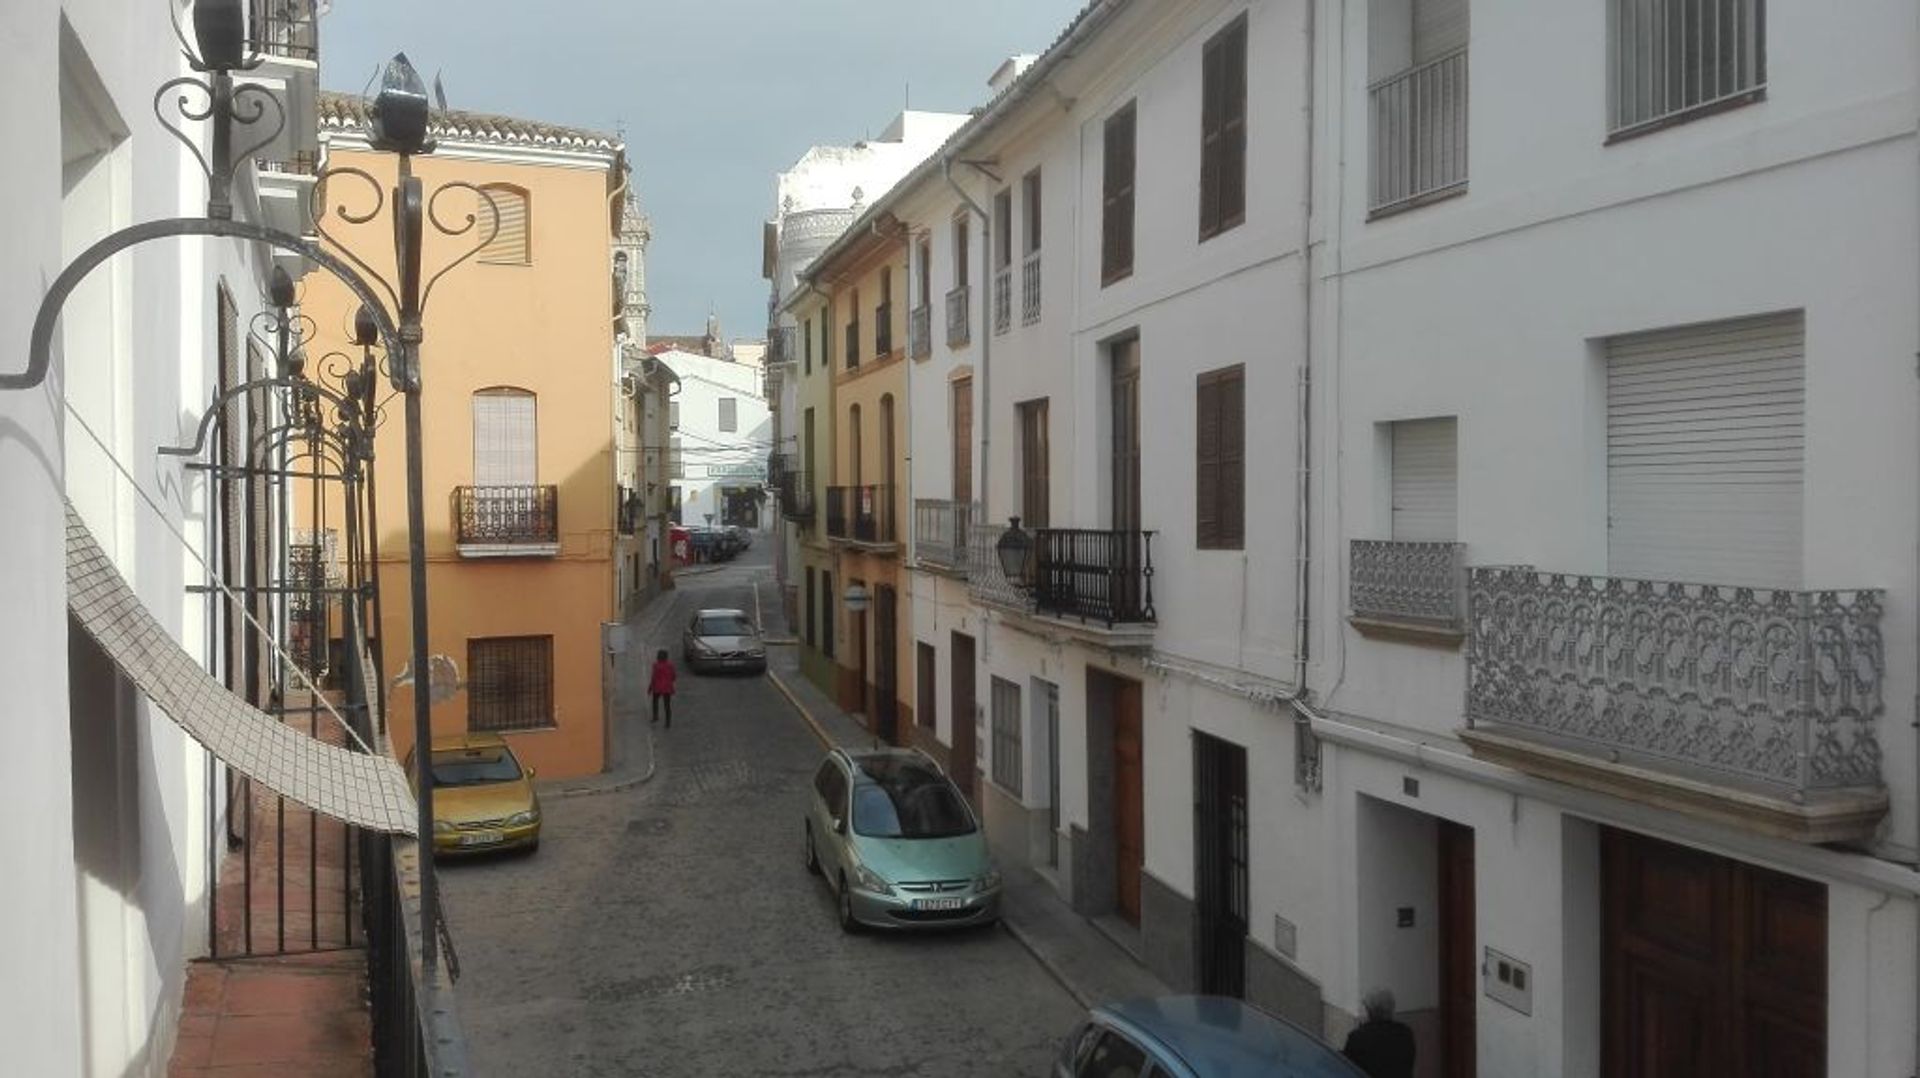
1425,480
509,246
1704,450
1439,27
505,439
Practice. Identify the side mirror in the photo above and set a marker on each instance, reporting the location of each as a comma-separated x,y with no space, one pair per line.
531,772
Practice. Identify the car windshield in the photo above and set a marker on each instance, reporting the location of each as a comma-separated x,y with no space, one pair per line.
474,767
722,625
909,802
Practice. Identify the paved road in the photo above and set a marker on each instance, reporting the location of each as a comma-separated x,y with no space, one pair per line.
670,930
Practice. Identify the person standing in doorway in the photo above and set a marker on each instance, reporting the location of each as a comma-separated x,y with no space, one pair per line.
1382,1045
661,687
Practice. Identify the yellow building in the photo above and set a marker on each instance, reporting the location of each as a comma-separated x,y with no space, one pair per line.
520,378
865,512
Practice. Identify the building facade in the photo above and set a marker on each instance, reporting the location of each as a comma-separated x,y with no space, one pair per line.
519,428
721,429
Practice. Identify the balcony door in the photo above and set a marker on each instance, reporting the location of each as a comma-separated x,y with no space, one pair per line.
505,438
1125,451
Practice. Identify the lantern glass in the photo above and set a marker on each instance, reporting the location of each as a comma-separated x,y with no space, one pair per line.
399,112
1015,550
220,30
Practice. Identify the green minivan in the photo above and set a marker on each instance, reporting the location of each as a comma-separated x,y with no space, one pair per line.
898,843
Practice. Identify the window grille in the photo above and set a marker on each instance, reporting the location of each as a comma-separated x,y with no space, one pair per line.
1008,751
1671,57
510,683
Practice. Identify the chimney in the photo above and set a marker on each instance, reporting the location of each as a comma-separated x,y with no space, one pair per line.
1009,70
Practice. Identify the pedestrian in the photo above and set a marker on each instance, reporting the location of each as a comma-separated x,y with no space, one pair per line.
661,687
1382,1046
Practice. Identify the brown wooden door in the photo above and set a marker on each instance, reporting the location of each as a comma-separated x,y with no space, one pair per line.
965,738
1129,822
1711,968
862,690
1459,965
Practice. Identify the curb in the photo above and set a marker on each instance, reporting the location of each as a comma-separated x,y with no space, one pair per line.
813,724
1053,968
653,765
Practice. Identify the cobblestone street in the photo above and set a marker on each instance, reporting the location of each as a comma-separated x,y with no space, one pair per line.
669,929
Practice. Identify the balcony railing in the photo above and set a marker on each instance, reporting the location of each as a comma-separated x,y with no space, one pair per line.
795,488
883,329
940,531
631,510
1776,688
985,578
780,345
920,332
283,28
959,314
861,514
1419,132
1423,585
853,343
1030,289
1003,299
1104,576
507,516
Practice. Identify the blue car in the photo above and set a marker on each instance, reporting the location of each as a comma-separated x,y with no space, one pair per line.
1195,1037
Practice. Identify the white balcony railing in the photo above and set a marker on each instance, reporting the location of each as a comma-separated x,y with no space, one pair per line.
1030,289
1405,583
1419,132
1002,299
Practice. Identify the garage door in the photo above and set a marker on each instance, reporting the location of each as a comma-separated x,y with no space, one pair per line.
1704,448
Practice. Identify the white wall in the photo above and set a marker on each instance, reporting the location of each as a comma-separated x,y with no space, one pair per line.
704,380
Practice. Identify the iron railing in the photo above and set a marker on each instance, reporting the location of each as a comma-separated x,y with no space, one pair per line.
1419,132
630,507
1030,289
986,580
1421,584
959,313
1093,575
507,515
1773,687
416,1025
853,343
780,345
883,329
920,331
795,488
1671,58
283,28
1002,299
940,530
862,514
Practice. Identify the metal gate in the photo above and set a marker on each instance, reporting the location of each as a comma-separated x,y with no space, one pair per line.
1220,864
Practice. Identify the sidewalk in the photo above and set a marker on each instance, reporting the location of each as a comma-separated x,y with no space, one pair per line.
1090,966
630,760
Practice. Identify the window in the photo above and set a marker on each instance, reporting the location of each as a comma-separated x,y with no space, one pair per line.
1424,487
1116,191
963,441
1008,753
1035,494
853,329
510,683
813,639
1220,453
908,800
729,414
1223,130
854,448
1030,205
512,244
883,314
806,344
1114,1056
505,438
960,252
1669,59
1003,230
923,270
826,336
676,460
926,665
1416,101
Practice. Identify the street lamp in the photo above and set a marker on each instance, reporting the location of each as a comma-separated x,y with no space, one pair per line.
219,28
399,112
1015,549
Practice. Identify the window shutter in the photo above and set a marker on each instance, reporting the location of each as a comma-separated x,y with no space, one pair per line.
1206,484
1425,471
1035,496
1219,454
505,439
510,245
1233,436
963,441
1116,221
1233,129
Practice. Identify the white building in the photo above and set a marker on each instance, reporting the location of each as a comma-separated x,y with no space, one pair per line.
721,433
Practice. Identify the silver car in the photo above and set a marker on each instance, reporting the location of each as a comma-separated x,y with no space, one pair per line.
723,640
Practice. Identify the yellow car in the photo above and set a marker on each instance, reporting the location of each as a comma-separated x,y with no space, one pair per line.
483,800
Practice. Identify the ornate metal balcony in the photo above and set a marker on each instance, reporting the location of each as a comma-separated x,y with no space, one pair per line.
861,514
920,332
940,532
794,487
1002,299
1420,586
985,579
959,315
1775,692
507,521
1030,289
1087,575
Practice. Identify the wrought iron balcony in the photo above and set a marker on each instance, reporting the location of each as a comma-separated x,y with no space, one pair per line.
920,332
507,520
986,580
1776,692
795,489
631,509
1421,586
883,329
959,315
1030,289
861,514
1419,132
284,28
1088,575
1002,299
940,532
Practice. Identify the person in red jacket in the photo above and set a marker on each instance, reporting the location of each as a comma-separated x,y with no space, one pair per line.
661,687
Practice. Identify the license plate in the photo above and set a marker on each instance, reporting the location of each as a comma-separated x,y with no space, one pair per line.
938,903
479,840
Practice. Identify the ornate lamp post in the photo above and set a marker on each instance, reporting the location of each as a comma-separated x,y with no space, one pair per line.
1015,550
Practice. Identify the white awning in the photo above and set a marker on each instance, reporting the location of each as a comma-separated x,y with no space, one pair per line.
364,789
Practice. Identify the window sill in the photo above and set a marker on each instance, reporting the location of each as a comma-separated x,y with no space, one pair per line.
1115,277
1223,227
1418,202
1686,116
1437,636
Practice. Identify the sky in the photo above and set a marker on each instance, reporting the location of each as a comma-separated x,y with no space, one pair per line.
715,97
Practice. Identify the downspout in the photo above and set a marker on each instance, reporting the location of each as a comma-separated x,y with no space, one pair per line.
983,408
1303,539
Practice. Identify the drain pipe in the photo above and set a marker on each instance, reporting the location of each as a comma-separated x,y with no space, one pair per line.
983,407
1303,539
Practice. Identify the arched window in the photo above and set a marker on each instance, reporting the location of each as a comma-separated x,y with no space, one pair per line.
513,244
505,438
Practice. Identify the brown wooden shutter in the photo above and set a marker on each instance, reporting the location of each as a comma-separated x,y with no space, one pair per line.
1117,179
1035,491
1233,451
1223,130
1220,460
1211,82
1206,483
963,441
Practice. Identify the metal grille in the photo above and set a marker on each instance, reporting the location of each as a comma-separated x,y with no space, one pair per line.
958,330
510,683
1419,131
312,567
1009,753
1094,575
1409,583
1030,290
940,531
1002,299
507,514
1671,57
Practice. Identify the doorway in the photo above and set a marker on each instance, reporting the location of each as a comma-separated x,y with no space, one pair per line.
862,669
1129,818
964,765
1459,969
1220,863
1416,905
886,662
1046,701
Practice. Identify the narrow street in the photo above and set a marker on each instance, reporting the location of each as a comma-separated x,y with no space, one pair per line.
670,929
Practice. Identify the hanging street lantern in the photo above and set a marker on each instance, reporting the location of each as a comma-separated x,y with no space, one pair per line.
398,114
219,29
1015,549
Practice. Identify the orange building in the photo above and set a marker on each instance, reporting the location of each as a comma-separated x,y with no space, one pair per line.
520,399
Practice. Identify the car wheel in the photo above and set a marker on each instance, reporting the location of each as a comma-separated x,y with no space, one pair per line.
813,858
847,922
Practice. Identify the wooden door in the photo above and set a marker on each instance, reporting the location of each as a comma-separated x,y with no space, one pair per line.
1129,821
858,629
963,763
1125,455
1710,968
886,661
1459,963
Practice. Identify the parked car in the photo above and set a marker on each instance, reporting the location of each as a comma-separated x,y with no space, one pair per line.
1195,1037
741,536
898,844
722,640
483,800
